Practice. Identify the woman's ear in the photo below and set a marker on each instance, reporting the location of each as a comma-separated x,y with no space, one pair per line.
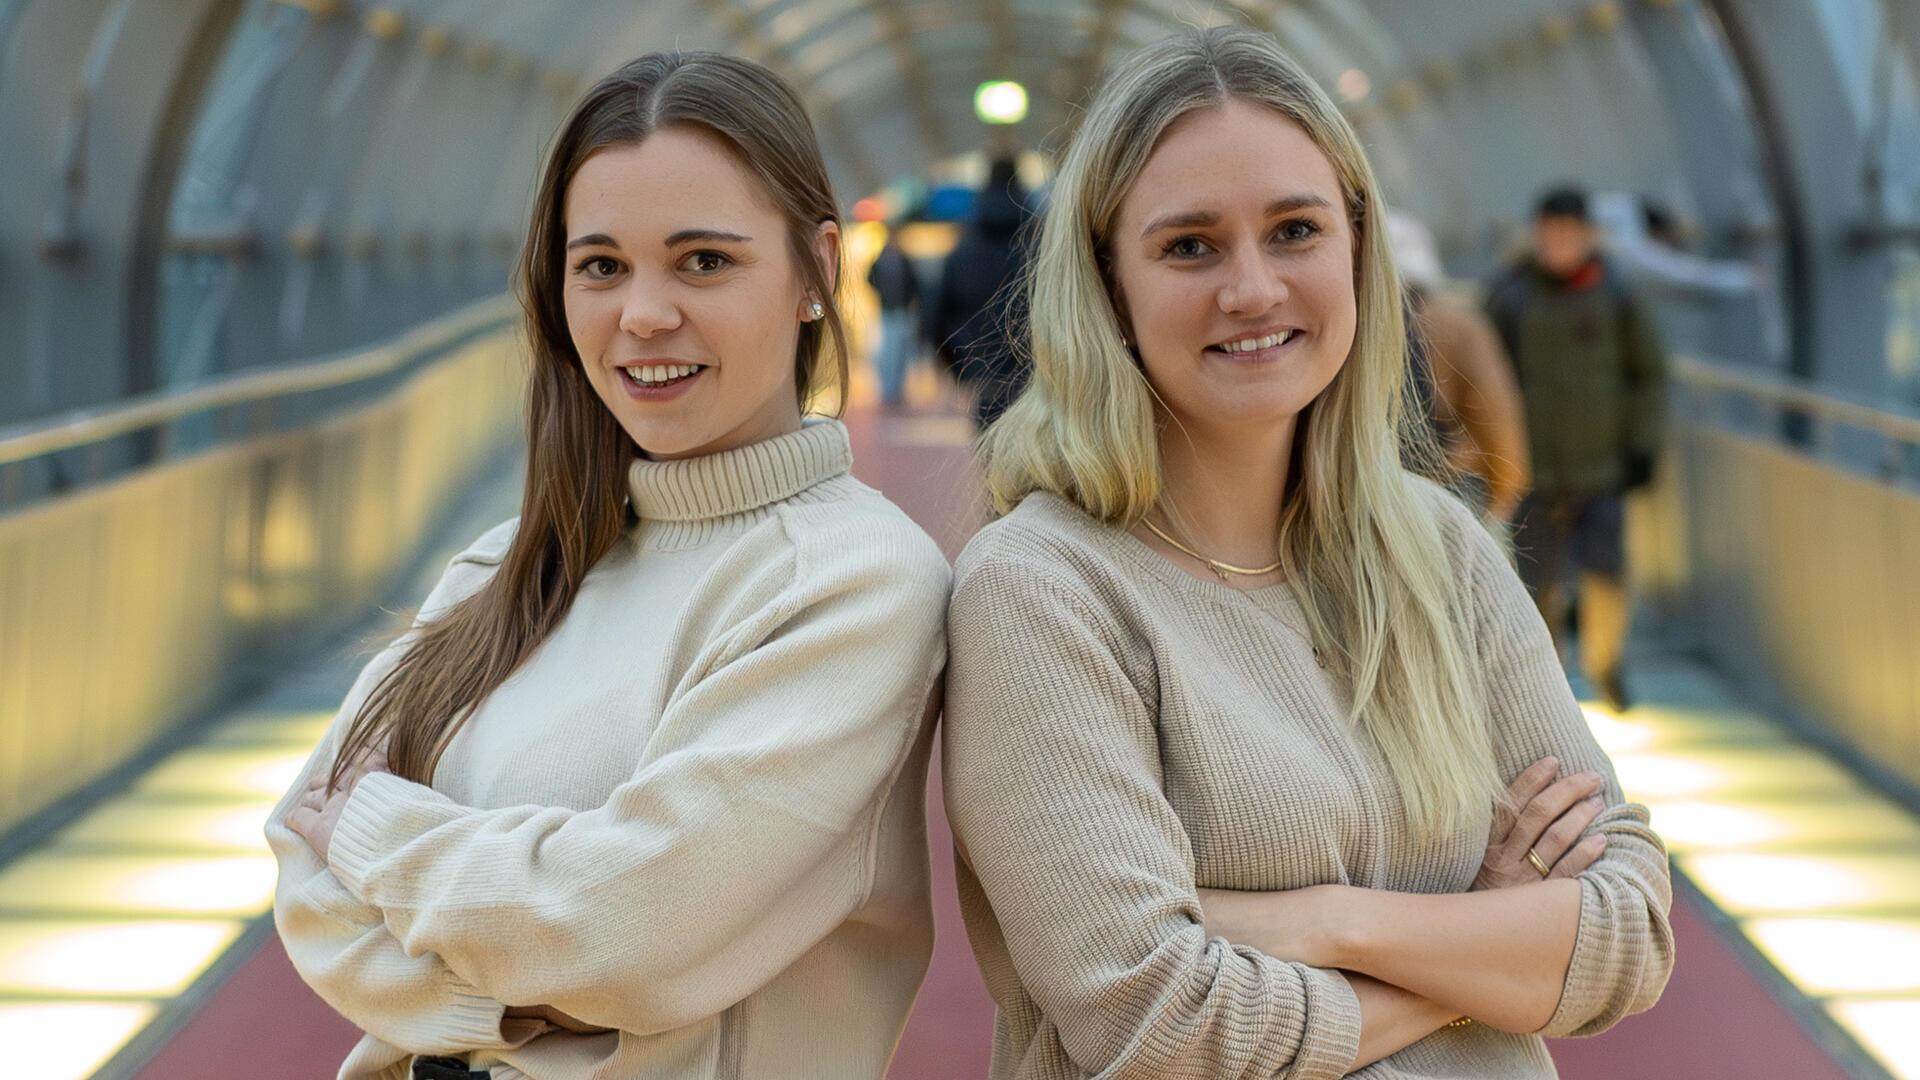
1123,319
826,247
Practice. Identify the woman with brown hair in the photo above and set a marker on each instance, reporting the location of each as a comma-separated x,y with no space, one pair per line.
640,794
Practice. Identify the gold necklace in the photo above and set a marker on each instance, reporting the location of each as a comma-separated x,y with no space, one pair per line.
1220,569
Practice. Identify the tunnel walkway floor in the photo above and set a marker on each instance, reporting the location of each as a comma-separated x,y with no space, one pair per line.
136,942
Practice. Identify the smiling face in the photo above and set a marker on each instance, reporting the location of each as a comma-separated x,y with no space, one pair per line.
1234,262
682,296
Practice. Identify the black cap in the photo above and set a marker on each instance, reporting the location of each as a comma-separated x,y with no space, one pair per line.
1569,202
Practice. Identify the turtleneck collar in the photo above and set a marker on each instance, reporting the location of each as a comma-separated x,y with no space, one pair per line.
702,491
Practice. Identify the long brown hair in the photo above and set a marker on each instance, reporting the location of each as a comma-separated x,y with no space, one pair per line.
574,507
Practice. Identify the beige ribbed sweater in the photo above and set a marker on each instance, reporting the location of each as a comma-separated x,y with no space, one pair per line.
1120,733
695,815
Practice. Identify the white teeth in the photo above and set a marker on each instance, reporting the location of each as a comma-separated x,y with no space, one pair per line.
1254,344
659,373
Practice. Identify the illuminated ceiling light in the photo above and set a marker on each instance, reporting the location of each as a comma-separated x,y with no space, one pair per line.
1890,1030
384,23
1000,102
480,55
1354,85
1826,957
435,40
108,958
1752,884
235,885
1604,15
68,1040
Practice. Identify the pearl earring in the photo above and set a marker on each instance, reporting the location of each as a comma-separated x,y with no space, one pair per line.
817,309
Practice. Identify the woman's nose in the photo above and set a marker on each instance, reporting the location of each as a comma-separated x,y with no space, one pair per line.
648,311
1254,286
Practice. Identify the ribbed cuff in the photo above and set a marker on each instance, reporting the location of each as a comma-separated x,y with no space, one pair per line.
466,1019
1591,971
1332,1037
383,813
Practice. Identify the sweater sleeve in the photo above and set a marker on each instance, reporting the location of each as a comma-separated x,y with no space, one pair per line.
725,857
1052,768
1623,952
409,999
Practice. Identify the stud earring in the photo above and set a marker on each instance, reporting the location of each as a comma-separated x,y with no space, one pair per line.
817,309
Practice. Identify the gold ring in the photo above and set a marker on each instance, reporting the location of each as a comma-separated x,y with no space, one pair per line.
1538,863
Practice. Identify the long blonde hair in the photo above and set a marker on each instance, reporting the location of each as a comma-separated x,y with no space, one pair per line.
1359,539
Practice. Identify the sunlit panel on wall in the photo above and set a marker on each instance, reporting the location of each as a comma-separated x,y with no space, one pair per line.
1826,956
67,1040
1758,884
1890,1030
109,958
237,885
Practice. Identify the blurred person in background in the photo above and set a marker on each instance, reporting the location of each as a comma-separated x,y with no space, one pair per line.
971,319
1592,372
898,289
1462,379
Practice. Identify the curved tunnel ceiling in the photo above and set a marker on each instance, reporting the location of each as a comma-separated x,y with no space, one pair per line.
890,82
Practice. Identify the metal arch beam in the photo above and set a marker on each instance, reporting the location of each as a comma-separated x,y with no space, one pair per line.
1905,17
738,29
1094,61
1813,142
1000,33
949,75
934,135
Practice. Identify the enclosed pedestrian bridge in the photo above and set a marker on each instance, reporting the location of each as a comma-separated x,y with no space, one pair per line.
261,373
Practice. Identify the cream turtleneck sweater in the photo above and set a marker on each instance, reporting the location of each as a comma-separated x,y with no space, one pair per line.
694,816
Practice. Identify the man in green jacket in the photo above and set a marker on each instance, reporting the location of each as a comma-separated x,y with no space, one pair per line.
1591,368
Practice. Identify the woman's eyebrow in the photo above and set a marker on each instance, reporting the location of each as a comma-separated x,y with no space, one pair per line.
689,235
1184,219
1290,203
593,240
1189,219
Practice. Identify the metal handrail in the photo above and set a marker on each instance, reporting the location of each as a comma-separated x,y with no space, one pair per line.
80,427
1798,394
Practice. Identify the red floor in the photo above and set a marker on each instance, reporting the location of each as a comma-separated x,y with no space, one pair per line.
1716,1022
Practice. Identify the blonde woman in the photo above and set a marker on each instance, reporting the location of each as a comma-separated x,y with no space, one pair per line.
642,794
1233,700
